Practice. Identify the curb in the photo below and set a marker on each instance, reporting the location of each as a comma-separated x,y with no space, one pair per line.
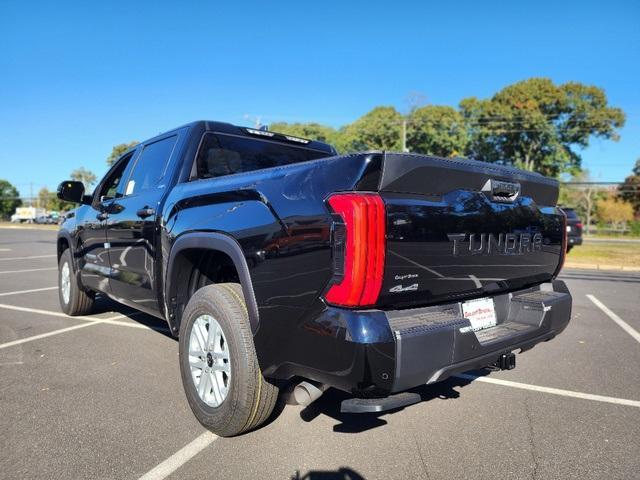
30,226
601,266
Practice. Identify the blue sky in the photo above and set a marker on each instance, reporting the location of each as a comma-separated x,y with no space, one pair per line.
78,77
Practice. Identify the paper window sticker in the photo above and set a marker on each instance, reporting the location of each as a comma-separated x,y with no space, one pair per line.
130,186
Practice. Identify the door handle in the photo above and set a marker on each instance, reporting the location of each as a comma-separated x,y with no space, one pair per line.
145,212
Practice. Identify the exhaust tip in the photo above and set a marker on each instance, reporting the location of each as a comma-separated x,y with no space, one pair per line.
305,393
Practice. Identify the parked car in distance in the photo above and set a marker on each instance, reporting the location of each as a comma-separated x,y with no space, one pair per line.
50,218
574,228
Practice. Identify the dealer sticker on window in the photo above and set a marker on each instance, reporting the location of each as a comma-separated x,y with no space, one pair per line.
480,312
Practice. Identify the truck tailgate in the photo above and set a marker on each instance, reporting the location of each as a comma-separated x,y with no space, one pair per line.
460,229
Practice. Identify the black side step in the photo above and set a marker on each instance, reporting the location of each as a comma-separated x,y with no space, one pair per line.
375,405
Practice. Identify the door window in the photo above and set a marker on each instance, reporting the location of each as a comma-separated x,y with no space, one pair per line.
109,187
150,167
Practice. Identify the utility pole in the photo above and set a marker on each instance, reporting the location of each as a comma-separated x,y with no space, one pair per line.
404,135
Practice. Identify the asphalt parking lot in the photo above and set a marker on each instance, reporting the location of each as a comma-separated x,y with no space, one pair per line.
100,397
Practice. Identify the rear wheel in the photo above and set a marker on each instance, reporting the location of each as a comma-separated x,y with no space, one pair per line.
220,373
73,300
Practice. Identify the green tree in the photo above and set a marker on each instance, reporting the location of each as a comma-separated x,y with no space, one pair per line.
44,198
50,201
570,197
380,129
9,199
630,189
436,130
311,131
540,126
85,176
614,211
118,150
586,197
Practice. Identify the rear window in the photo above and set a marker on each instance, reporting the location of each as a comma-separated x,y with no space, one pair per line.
222,154
570,212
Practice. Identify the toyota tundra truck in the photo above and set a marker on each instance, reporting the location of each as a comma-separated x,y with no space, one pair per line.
278,263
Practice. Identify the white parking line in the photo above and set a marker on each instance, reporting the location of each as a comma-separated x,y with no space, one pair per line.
45,335
624,325
28,270
109,321
33,290
475,280
90,321
182,456
553,391
437,274
24,258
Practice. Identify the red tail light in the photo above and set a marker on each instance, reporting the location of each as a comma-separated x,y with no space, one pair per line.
579,224
363,215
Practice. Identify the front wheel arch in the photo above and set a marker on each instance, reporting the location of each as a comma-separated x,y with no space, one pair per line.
73,299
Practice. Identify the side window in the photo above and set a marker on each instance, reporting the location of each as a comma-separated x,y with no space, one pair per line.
150,166
109,188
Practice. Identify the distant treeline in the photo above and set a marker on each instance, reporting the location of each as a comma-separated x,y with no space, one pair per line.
534,124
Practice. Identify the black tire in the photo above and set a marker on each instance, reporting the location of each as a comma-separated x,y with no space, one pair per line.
569,247
250,398
79,301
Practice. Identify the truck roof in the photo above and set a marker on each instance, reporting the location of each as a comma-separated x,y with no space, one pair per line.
249,132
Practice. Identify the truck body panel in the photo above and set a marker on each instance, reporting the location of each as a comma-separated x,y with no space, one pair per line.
456,230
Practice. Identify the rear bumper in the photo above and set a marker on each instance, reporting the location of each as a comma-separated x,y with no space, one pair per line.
431,347
574,240
385,352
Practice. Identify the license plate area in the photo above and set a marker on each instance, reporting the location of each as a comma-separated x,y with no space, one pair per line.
481,312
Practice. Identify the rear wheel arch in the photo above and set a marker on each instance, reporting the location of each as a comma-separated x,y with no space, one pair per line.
201,258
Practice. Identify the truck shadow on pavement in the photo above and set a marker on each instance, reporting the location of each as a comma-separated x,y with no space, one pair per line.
329,405
104,304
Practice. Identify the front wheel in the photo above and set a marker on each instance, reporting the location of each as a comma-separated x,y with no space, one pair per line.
73,300
218,364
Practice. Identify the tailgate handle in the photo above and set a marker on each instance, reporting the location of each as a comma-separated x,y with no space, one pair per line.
501,191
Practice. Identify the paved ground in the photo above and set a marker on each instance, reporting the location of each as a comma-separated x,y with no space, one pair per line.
100,397
611,240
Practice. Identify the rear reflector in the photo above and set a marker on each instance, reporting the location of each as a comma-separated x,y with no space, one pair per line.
363,252
563,251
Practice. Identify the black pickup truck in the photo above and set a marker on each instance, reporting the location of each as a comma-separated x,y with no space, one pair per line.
279,263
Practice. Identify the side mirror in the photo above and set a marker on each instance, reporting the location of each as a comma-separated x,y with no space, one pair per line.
71,191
